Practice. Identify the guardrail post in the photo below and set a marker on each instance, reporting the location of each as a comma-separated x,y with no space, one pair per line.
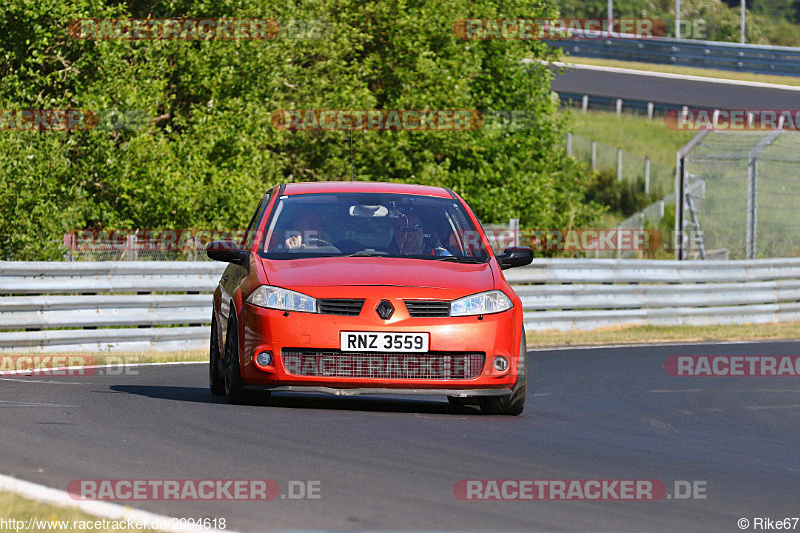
585,103
647,175
650,108
619,106
619,164
594,155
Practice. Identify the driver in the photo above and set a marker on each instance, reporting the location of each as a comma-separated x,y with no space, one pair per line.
306,230
409,237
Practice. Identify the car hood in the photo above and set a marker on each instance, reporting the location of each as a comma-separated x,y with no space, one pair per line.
362,271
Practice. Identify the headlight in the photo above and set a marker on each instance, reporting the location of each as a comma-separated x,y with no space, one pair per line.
283,299
483,303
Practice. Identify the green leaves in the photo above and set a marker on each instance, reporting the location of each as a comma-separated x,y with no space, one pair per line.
209,149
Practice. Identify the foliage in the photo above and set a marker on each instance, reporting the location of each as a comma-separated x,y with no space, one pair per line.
624,197
208,150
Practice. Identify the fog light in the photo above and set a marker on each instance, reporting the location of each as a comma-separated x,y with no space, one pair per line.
264,359
500,363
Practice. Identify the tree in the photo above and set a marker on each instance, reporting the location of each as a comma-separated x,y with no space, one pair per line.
209,149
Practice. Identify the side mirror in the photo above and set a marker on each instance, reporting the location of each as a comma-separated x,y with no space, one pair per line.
228,252
515,256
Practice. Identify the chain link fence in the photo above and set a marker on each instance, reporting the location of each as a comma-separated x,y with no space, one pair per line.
741,195
654,178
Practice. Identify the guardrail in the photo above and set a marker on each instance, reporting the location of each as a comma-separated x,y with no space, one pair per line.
759,59
586,294
106,305
68,306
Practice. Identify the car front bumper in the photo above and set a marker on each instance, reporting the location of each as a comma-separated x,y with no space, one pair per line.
272,330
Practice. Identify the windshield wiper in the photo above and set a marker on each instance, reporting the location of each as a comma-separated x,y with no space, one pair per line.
366,254
457,259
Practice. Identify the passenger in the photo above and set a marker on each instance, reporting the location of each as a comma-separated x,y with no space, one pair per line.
409,237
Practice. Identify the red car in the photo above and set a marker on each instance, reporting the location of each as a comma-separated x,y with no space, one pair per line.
368,288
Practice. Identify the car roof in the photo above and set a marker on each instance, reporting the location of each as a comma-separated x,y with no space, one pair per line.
365,186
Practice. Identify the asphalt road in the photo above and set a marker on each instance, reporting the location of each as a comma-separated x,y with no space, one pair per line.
673,91
382,463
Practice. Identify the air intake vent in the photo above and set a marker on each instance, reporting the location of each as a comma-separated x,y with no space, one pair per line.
427,308
340,306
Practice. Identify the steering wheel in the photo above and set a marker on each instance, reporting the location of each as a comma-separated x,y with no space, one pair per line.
318,243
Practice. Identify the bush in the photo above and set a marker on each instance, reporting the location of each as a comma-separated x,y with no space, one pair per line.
209,150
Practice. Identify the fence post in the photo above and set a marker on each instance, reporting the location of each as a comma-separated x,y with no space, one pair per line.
752,191
131,248
594,155
569,143
513,225
752,174
619,164
647,175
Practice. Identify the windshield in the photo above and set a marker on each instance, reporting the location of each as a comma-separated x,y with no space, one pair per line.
364,224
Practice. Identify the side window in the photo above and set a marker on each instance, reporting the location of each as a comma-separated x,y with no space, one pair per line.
250,233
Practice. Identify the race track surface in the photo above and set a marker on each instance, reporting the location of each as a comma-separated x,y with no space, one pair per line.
388,463
673,91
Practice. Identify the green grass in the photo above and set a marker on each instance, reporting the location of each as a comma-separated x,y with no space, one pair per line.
651,334
9,361
689,71
632,133
13,506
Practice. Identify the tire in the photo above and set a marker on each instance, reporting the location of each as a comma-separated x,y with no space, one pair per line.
216,381
234,386
511,404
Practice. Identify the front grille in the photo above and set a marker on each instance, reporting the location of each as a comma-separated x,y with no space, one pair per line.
340,306
335,363
427,308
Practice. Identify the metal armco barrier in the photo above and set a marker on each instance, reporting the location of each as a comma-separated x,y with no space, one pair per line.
115,305
586,294
760,59
167,305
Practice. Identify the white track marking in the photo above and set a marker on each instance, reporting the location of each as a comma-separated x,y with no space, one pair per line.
686,77
108,510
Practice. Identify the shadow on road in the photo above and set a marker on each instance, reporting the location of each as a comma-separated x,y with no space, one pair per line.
301,401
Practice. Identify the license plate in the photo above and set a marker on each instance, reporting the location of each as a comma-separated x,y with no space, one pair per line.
376,341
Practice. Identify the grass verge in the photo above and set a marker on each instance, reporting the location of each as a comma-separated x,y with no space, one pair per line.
78,358
657,334
635,134
688,71
15,507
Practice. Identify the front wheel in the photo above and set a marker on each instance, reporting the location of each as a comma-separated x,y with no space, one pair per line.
514,403
215,379
234,386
